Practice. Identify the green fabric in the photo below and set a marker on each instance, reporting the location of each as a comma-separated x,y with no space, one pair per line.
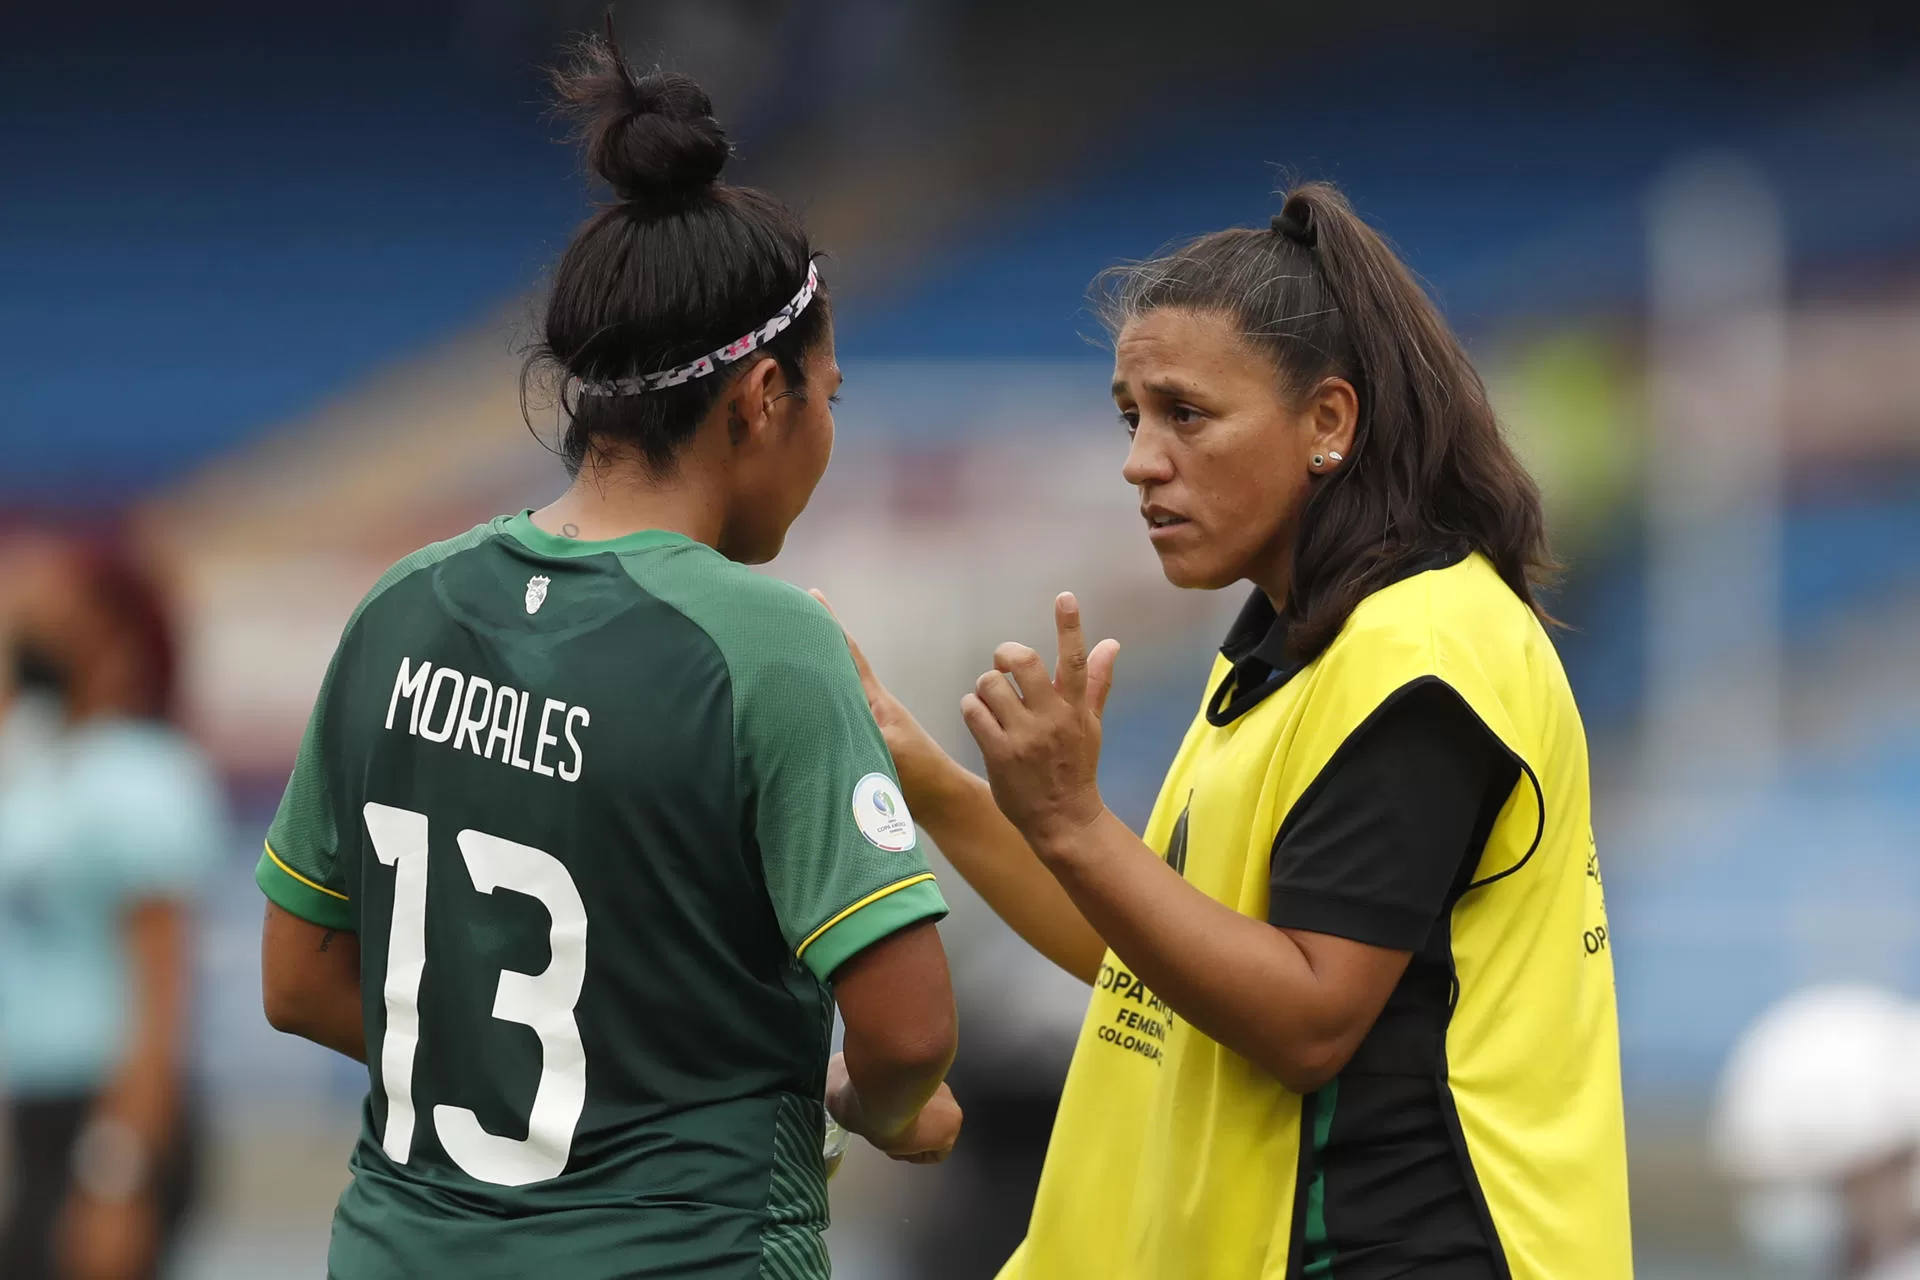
314,905
677,741
304,834
803,740
909,905
1319,1252
796,1195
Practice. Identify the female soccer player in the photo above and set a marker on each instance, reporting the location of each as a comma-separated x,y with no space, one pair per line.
1353,1007
589,816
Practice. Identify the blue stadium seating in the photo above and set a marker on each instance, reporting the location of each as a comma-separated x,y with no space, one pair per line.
205,248
1511,193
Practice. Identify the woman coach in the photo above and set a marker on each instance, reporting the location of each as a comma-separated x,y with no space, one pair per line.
1349,1015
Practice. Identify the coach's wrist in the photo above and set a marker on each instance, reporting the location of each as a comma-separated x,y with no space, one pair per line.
1068,838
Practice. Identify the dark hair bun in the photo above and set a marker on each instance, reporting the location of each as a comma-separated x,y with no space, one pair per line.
652,137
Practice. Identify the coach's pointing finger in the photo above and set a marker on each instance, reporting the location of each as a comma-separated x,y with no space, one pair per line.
1041,746
1070,673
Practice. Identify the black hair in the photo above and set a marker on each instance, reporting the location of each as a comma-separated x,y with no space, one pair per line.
680,265
1429,470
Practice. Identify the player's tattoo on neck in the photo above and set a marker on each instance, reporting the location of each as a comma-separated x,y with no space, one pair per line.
326,939
570,530
736,425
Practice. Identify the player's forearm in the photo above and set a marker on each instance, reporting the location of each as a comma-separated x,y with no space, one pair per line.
1239,980
310,982
330,1018
888,1083
335,1025
991,855
896,999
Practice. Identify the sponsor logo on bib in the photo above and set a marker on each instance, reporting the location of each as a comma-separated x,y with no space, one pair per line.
880,811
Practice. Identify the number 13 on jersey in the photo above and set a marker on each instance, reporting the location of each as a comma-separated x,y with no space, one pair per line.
545,1002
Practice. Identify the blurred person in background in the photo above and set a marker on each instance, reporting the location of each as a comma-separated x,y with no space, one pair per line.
1818,1121
665,761
1353,1006
109,818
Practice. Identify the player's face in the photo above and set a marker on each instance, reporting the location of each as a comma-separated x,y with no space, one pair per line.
787,461
1219,456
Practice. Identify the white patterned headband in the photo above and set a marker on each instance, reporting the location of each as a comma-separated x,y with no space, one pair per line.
738,349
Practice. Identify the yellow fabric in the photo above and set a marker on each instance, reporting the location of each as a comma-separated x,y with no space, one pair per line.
1173,1157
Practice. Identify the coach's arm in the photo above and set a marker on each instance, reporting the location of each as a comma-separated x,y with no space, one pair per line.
1297,1004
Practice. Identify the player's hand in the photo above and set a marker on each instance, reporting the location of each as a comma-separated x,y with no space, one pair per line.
922,765
928,1140
1040,734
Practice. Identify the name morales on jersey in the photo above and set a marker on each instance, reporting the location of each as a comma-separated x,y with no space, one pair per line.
473,714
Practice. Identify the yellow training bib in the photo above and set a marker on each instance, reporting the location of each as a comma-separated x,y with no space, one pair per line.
1175,1159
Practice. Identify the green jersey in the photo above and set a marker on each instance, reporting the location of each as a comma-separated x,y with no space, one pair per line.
605,816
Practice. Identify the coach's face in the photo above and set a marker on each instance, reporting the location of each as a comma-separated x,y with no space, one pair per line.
1222,456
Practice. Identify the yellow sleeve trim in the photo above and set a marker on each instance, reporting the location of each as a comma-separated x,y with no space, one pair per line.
867,901
335,893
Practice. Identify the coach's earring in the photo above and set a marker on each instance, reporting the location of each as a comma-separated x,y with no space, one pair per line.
1334,456
1319,460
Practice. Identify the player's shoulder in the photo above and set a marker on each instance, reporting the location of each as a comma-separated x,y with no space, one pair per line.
425,558
433,553
761,600
755,609
755,620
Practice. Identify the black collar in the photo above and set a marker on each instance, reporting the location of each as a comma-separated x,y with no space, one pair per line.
1256,645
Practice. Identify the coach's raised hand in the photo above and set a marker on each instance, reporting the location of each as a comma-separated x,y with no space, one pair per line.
1040,735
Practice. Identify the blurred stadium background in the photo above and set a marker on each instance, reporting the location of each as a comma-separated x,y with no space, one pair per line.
264,277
